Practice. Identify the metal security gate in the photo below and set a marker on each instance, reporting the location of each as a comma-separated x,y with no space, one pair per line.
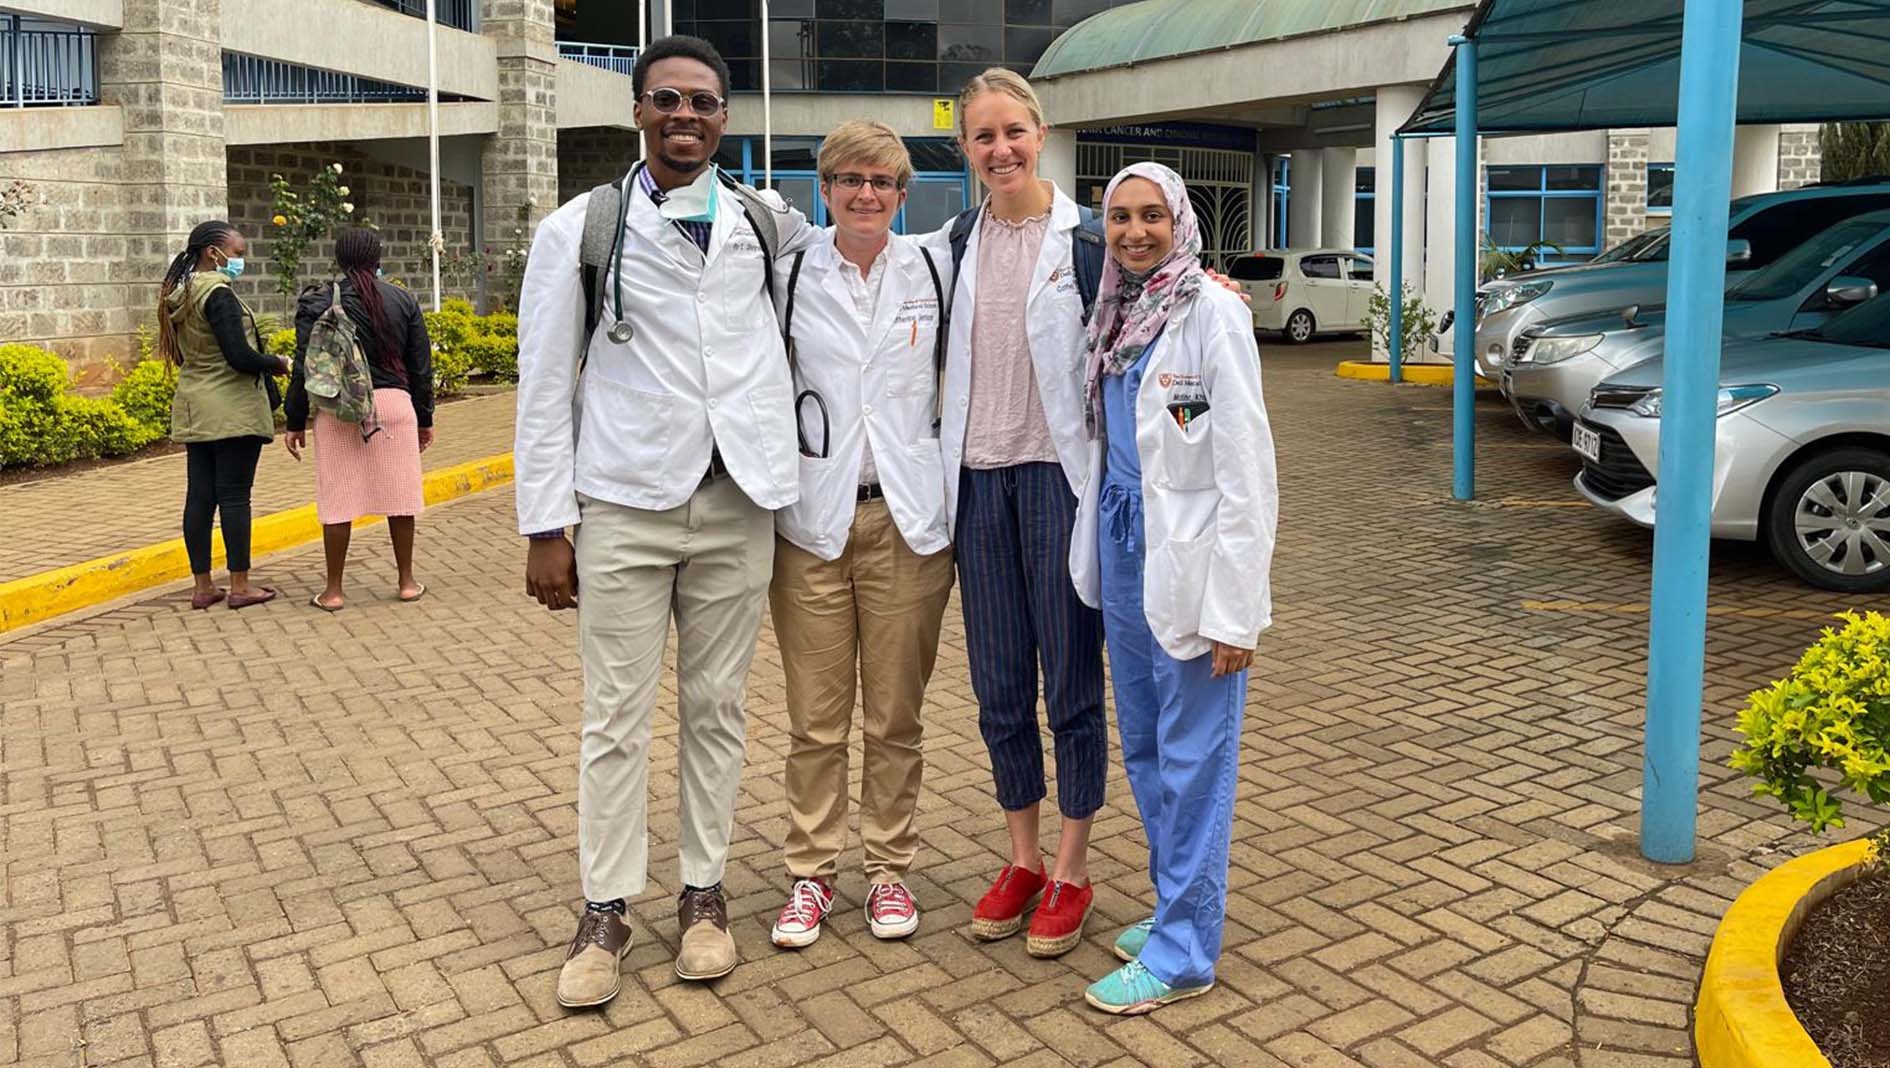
1220,183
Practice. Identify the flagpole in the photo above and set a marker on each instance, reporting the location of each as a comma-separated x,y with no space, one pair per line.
437,240
767,103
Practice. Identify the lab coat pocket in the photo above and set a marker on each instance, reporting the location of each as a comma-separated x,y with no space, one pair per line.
1188,454
1173,588
920,509
819,520
626,432
774,430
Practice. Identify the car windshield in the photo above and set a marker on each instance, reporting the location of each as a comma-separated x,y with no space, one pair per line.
1803,265
1631,249
1867,325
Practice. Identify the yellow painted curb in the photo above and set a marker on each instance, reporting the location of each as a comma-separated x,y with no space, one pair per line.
1741,1019
37,598
1422,374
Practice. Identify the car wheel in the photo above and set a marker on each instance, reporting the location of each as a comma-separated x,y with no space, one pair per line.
1299,327
1829,520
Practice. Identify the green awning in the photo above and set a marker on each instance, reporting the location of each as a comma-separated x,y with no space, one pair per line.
1546,65
1163,29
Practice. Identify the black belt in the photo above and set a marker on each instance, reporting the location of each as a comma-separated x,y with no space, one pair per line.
873,492
717,468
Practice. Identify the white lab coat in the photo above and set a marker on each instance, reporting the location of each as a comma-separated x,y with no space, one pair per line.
705,368
1210,498
881,389
1054,323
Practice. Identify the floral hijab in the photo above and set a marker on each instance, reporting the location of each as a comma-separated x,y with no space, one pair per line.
1131,308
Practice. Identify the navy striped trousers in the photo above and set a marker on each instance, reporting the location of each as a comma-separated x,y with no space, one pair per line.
1013,551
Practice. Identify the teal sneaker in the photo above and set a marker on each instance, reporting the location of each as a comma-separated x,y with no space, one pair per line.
1132,990
1130,942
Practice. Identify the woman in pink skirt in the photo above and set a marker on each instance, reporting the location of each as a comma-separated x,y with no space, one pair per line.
381,475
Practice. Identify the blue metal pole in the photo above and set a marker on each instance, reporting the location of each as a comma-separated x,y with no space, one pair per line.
1395,284
1696,282
1463,378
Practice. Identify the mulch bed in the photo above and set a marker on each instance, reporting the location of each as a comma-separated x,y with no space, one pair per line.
1837,975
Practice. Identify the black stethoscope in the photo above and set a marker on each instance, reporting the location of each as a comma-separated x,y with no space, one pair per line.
805,395
621,331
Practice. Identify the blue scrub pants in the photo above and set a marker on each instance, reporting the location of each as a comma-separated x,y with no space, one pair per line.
1180,729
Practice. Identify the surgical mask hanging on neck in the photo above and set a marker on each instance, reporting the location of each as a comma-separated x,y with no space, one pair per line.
695,202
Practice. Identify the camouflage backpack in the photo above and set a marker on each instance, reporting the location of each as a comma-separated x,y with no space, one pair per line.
335,370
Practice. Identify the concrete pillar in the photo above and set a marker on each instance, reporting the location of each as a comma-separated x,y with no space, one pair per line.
1057,162
1395,104
165,69
1626,206
1800,156
1338,202
1440,219
519,166
1303,199
1755,160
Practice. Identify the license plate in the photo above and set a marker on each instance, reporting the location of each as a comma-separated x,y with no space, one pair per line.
1587,442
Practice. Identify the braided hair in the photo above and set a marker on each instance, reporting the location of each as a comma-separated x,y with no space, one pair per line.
206,235
358,253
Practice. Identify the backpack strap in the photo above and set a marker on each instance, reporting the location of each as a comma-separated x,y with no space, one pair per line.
1086,257
959,237
938,340
603,228
793,280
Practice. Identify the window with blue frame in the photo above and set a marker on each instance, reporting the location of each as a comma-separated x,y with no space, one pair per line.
940,187
1660,189
1364,211
1554,203
1282,195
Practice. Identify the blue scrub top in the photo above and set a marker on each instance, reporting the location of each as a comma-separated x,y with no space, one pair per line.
1123,464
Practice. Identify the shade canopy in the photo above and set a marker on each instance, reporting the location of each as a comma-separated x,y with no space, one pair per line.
1547,65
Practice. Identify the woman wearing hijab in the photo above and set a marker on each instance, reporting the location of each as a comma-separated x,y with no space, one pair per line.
1173,541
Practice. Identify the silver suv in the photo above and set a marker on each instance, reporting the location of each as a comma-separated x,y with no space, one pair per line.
1801,447
1763,228
1556,363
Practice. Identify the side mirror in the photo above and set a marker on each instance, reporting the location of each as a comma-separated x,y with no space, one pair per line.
1627,316
1738,250
1845,290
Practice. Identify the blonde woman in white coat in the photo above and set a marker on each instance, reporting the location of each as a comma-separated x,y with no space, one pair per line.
1173,541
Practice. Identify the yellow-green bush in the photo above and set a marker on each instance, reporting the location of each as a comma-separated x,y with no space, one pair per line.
280,343
464,342
145,395
451,368
43,422
1831,712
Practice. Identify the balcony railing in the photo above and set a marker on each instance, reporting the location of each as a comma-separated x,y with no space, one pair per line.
254,80
621,59
46,67
457,14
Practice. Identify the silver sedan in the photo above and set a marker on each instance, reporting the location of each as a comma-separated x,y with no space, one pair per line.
1802,447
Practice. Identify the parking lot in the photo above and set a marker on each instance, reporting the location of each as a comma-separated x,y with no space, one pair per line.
282,837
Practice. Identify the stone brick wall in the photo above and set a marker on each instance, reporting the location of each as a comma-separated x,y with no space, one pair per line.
393,198
520,164
1626,186
589,158
1800,159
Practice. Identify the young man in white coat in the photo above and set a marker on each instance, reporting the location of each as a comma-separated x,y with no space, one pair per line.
680,448
863,564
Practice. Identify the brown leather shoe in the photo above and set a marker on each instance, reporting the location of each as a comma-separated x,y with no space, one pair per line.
707,950
591,975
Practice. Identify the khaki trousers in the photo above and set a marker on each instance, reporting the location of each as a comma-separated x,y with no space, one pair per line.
880,605
706,562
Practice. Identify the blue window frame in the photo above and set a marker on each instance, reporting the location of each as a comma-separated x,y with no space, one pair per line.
1560,203
1282,198
1660,189
934,195
1364,211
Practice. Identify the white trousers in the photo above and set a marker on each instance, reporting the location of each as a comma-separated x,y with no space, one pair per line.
707,562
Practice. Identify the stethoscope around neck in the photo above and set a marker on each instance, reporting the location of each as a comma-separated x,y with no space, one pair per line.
620,331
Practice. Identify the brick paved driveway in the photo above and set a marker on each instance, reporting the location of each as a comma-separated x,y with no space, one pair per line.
282,837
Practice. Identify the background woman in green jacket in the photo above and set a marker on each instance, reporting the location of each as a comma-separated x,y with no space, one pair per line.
222,413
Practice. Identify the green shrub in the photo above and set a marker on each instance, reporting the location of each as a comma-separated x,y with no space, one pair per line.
31,373
501,324
280,342
145,395
450,370
1831,712
495,355
92,427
